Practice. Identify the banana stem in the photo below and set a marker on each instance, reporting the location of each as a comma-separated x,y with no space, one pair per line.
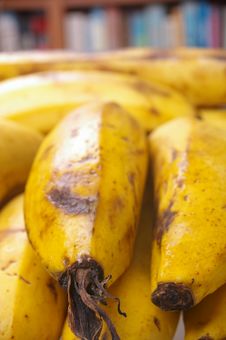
86,288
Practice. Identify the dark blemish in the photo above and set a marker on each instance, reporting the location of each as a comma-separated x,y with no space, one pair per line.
164,221
7,232
87,157
12,337
174,155
125,138
26,316
218,57
24,280
46,152
206,337
7,264
74,133
199,116
192,281
117,203
131,178
154,111
180,182
224,206
52,288
157,323
185,197
149,89
71,203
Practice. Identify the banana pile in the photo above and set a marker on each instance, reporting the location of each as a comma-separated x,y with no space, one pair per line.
113,195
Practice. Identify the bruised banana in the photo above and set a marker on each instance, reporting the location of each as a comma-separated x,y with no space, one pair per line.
189,248
206,321
41,100
144,320
82,206
18,145
197,73
32,304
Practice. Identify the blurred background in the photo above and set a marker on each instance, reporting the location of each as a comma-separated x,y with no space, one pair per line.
91,26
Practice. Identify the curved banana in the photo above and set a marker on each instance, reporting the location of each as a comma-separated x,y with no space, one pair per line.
18,146
32,304
206,321
82,205
189,249
197,73
144,320
41,100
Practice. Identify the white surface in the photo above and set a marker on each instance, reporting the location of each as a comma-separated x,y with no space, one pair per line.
180,330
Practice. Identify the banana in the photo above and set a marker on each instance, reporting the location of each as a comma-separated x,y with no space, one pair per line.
32,304
189,248
215,116
144,320
206,321
197,73
18,146
82,205
41,100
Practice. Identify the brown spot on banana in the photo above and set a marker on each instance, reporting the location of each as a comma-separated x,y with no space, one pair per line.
207,337
164,221
172,296
52,288
148,89
157,323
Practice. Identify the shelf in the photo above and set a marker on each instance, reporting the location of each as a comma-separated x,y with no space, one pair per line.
67,4
21,5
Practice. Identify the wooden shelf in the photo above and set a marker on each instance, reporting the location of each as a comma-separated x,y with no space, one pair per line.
22,5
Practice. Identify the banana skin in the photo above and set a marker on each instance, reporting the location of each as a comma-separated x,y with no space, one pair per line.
82,205
144,320
189,249
41,100
32,304
18,146
206,321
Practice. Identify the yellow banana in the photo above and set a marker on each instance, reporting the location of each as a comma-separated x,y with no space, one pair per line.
41,100
197,73
215,116
18,146
206,321
32,303
82,205
144,320
189,249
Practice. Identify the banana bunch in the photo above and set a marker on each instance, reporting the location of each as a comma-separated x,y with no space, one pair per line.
40,101
75,249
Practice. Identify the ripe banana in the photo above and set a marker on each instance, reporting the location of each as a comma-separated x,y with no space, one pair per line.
189,249
206,321
82,205
18,146
41,100
197,73
32,303
144,320
215,116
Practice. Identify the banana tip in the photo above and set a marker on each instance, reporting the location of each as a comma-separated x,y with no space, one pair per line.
172,296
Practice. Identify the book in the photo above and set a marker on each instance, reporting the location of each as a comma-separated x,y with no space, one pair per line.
115,34
176,29
215,27
204,24
137,32
223,28
9,32
190,17
75,31
155,17
97,39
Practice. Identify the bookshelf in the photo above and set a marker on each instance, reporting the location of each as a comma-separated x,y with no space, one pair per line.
55,10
